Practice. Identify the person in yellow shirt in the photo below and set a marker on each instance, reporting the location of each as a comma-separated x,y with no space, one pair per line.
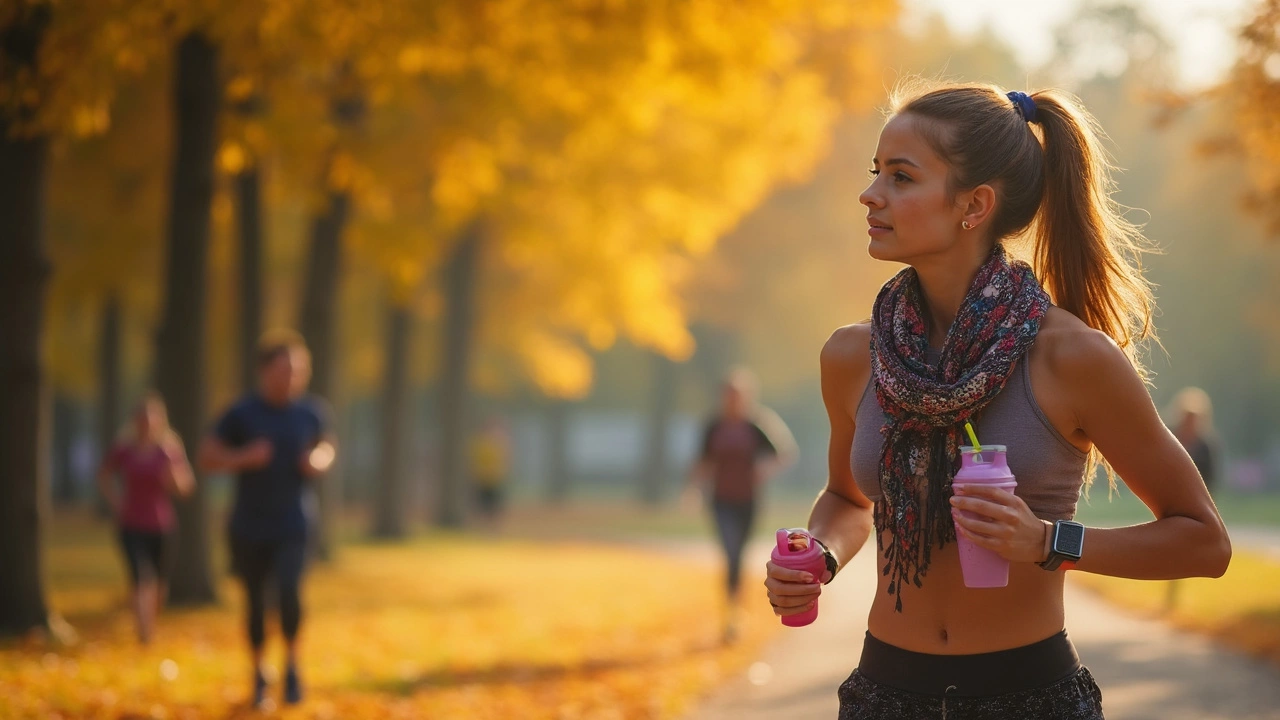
490,465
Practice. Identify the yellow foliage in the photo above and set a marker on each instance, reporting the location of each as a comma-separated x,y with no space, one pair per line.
444,628
1253,93
559,368
607,144
231,158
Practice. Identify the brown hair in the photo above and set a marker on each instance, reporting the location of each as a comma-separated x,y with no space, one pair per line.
276,342
1053,183
163,432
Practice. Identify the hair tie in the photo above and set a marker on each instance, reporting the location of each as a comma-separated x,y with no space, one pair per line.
1025,106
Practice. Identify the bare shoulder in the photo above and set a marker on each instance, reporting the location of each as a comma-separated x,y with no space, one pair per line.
1078,355
847,353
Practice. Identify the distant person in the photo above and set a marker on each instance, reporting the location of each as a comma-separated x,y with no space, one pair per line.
744,444
1043,361
1192,415
152,466
276,440
490,466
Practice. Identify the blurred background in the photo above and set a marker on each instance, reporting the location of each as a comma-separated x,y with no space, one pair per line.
572,216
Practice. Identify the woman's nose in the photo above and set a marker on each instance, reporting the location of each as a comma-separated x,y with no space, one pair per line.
871,197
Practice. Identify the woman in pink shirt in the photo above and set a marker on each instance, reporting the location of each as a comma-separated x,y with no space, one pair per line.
151,465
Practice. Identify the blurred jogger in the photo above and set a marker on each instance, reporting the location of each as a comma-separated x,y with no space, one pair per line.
276,440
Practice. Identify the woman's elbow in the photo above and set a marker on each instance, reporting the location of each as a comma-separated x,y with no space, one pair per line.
1217,554
1224,556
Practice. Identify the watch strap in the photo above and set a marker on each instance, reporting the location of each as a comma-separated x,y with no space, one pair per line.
833,564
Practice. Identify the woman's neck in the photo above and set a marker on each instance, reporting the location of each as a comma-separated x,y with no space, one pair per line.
943,286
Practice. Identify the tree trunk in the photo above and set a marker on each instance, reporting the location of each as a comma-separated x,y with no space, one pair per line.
653,475
180,347
109,341
24,273
559,482
249,215
317,322
461,276
389,514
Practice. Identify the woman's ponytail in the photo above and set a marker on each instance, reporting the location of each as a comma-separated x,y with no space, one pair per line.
1087,254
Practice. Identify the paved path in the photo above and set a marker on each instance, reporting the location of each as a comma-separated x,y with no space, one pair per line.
1265,540
1147,670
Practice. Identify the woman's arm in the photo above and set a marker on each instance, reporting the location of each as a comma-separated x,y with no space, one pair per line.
841,516
181,481
1113,409
780,445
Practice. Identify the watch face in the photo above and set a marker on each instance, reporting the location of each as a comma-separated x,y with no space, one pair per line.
1069,539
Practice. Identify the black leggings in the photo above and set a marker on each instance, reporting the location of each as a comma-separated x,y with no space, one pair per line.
255,562
733,525
146,553
1040,681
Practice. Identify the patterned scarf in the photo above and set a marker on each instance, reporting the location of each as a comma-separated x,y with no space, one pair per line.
927,406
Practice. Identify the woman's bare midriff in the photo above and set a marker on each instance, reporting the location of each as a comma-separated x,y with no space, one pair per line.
944,617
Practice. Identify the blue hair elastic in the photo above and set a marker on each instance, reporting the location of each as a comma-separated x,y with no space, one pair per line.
1025,105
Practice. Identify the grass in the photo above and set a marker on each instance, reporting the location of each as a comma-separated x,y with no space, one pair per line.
1259,509
448,626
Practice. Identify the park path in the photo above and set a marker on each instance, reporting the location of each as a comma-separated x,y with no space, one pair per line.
1265,540
1147,670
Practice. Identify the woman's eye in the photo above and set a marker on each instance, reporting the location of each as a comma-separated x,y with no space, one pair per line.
873,172
901,177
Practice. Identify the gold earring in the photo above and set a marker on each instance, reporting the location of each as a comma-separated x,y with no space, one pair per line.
965,224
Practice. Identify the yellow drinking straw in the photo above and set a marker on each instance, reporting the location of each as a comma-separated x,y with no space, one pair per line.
973,437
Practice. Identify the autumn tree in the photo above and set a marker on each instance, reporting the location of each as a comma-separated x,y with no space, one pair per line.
58,76
1253,93
23,157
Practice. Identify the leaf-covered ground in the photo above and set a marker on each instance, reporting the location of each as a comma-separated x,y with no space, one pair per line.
434,628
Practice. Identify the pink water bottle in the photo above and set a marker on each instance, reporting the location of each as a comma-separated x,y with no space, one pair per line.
797,550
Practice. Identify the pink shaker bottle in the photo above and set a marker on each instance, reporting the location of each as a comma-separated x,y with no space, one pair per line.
797,550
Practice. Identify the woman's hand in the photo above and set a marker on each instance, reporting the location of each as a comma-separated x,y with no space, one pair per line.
1000,521
791,592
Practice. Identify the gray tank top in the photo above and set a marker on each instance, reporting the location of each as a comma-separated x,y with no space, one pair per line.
1049,469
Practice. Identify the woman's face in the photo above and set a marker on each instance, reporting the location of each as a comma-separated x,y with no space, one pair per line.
148,419
1190,424
910,211
733,401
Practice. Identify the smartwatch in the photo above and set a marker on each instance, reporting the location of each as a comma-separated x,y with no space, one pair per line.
1066,545
829,557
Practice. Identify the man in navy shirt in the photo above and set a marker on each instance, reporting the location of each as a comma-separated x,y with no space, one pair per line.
275,440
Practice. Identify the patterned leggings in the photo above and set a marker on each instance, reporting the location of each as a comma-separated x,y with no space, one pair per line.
1075,698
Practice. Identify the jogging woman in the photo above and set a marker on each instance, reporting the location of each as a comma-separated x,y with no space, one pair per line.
1043,361
152,466
743,445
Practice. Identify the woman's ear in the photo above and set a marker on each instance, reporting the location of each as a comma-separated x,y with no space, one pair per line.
979,208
